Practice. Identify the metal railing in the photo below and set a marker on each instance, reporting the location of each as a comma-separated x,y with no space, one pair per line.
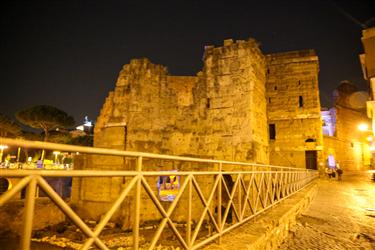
254,189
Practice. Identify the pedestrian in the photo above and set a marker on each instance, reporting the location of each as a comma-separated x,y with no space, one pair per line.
339,171
329,172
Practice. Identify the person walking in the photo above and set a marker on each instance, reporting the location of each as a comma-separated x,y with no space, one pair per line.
338,171
329,172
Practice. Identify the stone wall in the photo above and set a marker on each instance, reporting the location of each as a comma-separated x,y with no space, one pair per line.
45,214
293,107
221,113
232,98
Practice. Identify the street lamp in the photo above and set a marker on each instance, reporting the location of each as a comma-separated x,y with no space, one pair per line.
363,127
367,147
56,153
2,147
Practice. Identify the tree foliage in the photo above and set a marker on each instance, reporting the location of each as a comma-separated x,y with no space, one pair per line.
8,127
84,140
45,117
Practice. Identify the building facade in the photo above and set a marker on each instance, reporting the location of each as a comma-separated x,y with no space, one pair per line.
343,141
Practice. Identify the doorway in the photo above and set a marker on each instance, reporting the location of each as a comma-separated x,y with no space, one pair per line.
311,159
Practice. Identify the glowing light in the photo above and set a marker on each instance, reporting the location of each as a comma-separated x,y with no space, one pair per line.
363,127
2,147
372,148
56,153
369,138
80,128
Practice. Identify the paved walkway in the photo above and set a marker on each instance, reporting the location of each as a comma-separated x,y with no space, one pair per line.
342,216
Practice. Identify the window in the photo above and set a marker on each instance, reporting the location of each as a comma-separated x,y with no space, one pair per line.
310,140
208,104
272,129
300,101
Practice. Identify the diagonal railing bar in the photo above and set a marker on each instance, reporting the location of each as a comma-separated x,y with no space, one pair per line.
266,188
269,189
98,229
276,192
240,197
231,203
277,185
206,205
165,214
14,190
289,183
228,193
273,188
297,183
258,189
248,200
69,212
28,215
282,184
244,200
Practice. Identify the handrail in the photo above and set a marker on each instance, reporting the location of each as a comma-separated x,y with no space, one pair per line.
253,192
114,152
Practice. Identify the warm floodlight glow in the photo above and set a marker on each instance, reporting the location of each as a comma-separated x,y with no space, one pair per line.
369,138
2,147
363,127
56,153
372,148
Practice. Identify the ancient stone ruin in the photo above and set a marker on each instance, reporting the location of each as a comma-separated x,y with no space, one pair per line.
243,106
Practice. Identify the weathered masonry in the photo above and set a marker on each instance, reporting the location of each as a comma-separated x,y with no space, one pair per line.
220,113
243,106
293,109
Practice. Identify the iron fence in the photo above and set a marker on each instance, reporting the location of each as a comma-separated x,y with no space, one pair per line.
237,192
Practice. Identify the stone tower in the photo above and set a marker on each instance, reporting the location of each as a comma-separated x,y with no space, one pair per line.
220,113
293,109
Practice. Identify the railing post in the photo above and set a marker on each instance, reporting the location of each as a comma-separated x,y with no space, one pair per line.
240,195
137,204
189,215
219,203
28,214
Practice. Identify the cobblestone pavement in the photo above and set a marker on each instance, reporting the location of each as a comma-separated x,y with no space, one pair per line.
342,216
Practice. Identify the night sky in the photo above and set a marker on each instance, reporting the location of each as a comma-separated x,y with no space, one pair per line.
68,53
